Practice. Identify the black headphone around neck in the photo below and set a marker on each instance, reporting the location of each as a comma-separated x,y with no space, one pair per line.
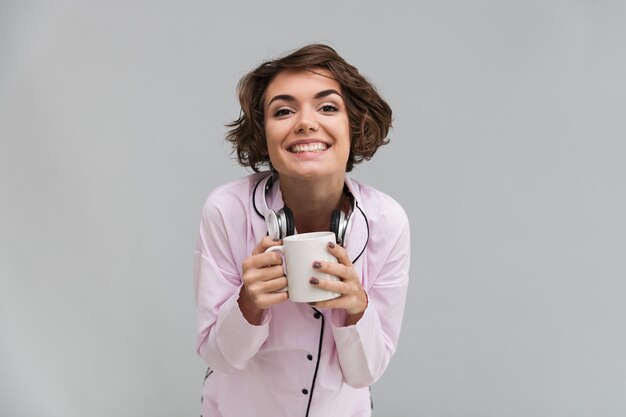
281,224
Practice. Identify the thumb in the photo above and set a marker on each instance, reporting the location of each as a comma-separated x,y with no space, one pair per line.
264,244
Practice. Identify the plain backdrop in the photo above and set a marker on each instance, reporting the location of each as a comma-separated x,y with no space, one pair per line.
507,153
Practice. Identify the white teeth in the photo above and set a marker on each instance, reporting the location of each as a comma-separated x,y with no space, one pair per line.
309,147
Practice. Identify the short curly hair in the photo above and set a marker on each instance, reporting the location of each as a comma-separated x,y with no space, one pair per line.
369,115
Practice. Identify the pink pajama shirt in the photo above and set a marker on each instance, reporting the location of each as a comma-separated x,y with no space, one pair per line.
300,361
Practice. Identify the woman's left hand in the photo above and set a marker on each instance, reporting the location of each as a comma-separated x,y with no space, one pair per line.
353,298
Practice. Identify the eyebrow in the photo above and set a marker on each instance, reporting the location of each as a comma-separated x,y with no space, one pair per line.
321,94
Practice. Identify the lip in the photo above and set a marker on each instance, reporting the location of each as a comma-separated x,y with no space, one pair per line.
307,141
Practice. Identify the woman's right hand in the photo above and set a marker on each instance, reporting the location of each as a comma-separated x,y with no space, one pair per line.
263,275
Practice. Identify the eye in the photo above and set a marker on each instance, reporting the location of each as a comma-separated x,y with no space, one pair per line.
282,112
329,108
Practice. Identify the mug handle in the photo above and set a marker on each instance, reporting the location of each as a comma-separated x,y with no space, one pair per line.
280,249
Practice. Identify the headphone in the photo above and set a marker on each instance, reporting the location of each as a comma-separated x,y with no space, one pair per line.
281,224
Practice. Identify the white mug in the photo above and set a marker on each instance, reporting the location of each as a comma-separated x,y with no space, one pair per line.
299,252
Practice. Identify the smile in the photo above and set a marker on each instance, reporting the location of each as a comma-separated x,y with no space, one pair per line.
309,147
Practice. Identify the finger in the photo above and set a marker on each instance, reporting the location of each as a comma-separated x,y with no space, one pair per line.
334,303
346,303
342,302
265,243
266,300
340,253
261,275
330,285
275,284
262,260
335,269
353,304
258,290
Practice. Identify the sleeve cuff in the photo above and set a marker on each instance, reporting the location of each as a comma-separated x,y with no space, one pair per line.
237,339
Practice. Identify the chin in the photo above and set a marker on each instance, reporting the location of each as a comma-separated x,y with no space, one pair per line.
310,174
310,169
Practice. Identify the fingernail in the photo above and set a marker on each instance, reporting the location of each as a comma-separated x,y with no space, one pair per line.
317,265
314,281
331,245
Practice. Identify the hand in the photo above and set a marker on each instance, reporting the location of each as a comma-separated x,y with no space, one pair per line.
263,275
353,298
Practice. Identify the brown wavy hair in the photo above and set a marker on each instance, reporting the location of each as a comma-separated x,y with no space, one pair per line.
369,115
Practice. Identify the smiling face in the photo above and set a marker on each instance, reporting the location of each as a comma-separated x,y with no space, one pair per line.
306,125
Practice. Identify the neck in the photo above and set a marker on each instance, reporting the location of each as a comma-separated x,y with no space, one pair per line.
312,202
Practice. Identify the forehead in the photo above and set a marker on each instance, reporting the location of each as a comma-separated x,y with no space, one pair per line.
302,83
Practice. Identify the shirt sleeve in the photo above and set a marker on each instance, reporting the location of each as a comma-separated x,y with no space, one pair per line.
365,349
225,339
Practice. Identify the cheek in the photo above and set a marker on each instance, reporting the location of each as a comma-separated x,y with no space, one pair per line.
270,135
346,128
346,135
274,131
272,142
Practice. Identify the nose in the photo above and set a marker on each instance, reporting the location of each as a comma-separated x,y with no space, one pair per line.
306,123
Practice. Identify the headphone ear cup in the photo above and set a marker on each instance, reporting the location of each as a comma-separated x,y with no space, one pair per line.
287,222
338,225
273,224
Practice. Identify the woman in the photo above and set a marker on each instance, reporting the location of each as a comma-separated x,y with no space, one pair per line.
310,116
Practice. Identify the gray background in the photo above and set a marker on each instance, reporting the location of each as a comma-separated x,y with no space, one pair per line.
507,154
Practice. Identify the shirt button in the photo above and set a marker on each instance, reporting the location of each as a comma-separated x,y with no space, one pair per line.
305,391
309,357
317,315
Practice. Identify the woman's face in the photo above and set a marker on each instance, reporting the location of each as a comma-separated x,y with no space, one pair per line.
306,125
